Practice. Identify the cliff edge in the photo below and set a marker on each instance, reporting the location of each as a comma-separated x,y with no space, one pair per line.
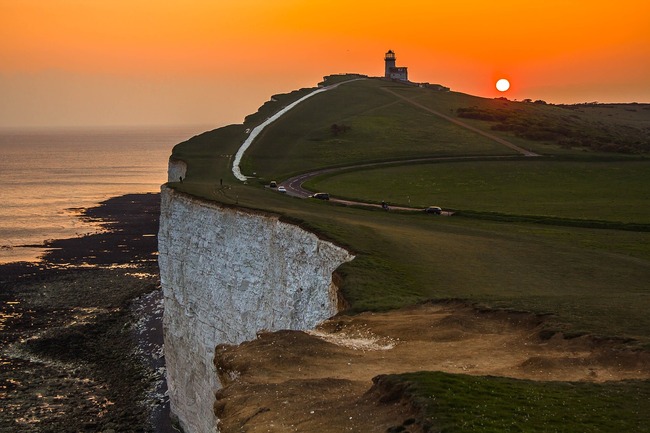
226,275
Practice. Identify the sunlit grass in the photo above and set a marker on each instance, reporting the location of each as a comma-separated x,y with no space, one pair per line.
459,403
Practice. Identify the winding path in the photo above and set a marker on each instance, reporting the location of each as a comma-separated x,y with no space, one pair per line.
294,185
236,170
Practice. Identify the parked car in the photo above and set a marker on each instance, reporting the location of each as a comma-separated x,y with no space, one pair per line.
436,210
282,189
273,184
321,196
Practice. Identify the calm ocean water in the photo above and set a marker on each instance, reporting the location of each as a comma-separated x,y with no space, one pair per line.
45,177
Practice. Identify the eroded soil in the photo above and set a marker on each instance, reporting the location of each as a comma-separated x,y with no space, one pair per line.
319,381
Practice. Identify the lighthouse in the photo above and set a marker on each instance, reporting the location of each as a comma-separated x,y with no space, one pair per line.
390,62
393,72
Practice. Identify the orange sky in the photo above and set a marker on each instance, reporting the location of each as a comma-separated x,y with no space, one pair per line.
119,62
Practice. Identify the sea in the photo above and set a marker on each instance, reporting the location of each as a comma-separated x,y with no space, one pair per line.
47,177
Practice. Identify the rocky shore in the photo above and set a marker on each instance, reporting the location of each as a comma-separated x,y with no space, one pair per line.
80,331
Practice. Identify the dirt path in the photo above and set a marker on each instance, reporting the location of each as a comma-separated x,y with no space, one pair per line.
318,381
493,137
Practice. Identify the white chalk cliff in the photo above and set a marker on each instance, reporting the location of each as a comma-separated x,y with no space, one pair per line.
227,274
176,170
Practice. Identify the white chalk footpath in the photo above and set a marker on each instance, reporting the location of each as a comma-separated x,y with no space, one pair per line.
227,274
256,131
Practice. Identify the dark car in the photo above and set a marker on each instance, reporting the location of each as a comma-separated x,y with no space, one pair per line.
436,210
321,196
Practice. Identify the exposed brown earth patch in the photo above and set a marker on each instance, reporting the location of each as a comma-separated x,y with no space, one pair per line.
319,381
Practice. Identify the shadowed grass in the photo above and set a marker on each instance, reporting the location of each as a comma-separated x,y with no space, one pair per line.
381,127
597,190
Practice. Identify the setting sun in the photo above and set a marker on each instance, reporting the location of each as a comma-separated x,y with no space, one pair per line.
503,85
68,62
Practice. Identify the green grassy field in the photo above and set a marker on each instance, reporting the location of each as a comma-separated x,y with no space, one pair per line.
458,404
588,280
590,190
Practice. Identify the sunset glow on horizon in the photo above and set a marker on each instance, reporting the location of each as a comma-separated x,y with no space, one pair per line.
115,62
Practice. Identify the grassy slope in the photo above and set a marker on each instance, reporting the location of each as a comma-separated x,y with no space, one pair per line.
591,280
561,129
381,128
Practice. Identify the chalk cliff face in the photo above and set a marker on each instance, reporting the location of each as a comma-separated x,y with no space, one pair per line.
176,170
227,274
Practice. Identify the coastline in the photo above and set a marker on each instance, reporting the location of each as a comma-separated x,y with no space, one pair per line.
81,331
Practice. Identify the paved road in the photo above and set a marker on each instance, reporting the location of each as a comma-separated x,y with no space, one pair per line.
294,184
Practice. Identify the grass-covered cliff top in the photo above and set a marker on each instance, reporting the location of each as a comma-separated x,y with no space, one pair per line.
565,233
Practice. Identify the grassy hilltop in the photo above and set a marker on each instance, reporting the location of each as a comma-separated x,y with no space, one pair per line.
565,234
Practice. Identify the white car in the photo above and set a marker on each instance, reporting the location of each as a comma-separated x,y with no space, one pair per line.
282,189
